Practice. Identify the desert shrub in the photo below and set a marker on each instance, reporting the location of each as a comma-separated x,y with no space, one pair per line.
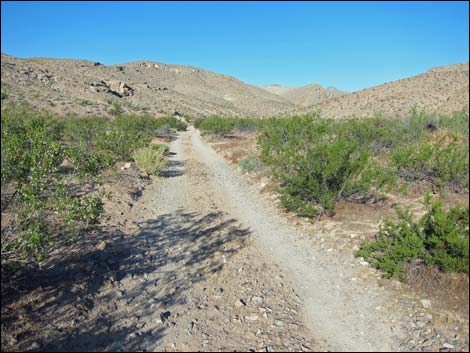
445,236
439,238
34,146
443,164
115,109
77,213
87,162
165,129
220,126
249,164
31,159
150,160
4,93
172,122
319,161
85,129
317,164
161,148
29,151
121,143
215,125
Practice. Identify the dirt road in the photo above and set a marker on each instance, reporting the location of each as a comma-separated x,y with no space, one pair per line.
337,305
202,262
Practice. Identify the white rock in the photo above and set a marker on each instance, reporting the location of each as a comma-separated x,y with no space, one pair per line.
126,166
426,303
253,317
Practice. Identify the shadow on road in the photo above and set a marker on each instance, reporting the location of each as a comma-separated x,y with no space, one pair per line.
121,297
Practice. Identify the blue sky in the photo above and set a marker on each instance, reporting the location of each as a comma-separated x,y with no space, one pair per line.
350,45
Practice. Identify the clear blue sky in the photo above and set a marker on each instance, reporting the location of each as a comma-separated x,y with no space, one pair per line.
347,45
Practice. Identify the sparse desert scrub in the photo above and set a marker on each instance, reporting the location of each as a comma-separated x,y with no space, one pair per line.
249,164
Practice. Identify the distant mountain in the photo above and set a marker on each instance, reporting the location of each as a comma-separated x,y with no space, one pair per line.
444,89
306,95
85,87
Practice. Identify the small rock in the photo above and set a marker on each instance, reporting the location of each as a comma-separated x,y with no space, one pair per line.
426,303
279,323
448,346
165,315
34,346
427,317
126,166
240,303
257,300
252,317
101,245
420,324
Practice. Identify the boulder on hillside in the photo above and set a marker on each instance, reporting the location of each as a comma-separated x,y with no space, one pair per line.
125,89
117,88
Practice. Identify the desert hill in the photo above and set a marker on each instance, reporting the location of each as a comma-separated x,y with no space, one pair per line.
443,89
86,87
307,95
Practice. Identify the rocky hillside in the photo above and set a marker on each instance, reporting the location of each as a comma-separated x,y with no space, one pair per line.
443,89
84,87
307,95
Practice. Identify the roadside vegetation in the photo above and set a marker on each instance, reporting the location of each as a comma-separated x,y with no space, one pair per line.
151,159
319,162
440,238
49,167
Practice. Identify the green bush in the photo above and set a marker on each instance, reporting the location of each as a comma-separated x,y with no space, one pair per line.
249,164
161,148
172,122
115,109
4,93
319,161
121,143
443,164
33,149
87,162
32,153
445,236
220,126
317,164
150,160
439,238
86,129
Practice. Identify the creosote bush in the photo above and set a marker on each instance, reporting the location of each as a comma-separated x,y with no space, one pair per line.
42,154
319,161
439,238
